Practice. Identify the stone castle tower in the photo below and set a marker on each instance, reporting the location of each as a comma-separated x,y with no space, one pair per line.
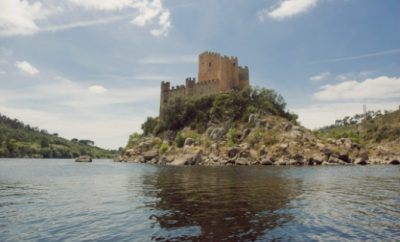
216,74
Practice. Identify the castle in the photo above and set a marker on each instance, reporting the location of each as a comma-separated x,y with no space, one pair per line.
216,74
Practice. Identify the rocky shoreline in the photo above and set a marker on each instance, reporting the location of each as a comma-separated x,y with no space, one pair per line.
241,156
295,146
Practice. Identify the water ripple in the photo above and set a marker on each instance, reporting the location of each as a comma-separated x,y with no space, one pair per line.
50,200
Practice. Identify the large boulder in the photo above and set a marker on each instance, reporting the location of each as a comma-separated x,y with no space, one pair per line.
266,162
344,156
281,162
263,150
146,145
294,162
244,146
287,126
232,152
149,155
317,159
191,158
216,133
136,159
261,123
245,132
131,152
394,162
327,152
253,118
334,160
189,142
242,161
213,157
119,158
360,161
295,134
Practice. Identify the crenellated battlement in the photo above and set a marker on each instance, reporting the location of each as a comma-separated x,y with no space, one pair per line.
217,74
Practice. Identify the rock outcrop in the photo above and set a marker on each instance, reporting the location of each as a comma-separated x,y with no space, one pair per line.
261,140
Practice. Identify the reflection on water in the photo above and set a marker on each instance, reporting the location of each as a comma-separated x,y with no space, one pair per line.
238,203
48,200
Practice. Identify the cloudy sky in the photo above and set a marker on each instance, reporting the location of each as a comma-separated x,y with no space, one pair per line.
92,69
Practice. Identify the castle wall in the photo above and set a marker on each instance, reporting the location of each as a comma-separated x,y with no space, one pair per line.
206,87
213,66
216,74
178,91
209,66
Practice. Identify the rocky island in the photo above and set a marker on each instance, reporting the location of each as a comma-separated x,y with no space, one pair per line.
222,120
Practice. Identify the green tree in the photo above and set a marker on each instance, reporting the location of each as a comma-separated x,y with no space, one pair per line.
44,142
150,125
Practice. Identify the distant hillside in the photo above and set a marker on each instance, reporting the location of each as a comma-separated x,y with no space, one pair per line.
18,140
370,128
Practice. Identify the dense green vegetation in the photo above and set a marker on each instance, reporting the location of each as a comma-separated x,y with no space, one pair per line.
233,106
20,140
372,127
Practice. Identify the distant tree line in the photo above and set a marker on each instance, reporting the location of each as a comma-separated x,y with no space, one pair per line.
369,127
20,140
356,119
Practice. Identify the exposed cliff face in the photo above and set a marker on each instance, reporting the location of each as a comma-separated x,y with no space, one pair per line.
261,140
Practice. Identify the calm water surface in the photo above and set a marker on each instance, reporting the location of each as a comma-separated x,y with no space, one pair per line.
52,200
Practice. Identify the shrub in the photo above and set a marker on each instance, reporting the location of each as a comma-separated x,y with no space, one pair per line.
255,136
271,137
179,140
150,125
157,141
183,135
231,137
191,134
163,148
133,140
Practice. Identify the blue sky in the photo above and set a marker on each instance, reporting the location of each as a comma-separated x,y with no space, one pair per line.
92,69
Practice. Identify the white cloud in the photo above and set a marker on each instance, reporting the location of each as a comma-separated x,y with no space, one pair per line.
355,75
102,4
320,76
149,10
319,115
287,9
382,87
19,17
164,23
86,23
97,89
357,57
26,68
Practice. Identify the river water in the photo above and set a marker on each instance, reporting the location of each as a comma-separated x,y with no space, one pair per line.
53,200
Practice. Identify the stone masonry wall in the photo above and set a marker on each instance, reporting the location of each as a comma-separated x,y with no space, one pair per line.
216,74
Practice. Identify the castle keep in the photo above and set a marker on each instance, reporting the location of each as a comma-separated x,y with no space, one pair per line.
216,74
